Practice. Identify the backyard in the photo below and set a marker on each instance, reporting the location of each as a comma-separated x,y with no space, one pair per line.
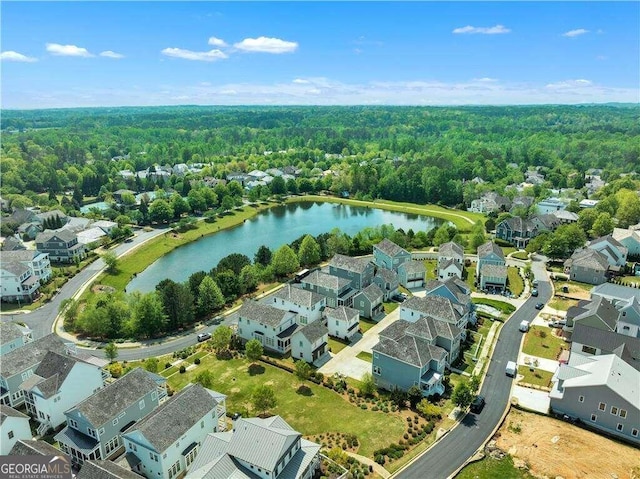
515,281
541,342
562,304
574,289
535,376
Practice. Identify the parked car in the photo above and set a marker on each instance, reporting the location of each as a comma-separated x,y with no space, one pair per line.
524,326
534,283
512,369
203,337
534,292
539,305
477,404
560,323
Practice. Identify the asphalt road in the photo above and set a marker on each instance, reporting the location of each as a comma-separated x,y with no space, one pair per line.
451,452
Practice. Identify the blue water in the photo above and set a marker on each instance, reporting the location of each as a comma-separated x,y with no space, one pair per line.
273,228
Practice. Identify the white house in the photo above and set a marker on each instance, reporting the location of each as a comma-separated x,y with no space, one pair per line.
271,326
550,205
13,336
342,322
610,247
310,342
59,383
629,319
450,260
629,238
257,448
167,441
307,304
36,261
19,284
14,426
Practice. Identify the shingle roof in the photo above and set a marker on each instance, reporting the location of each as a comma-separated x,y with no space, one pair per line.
12,244
410,350
372,292
390,248
107,403
15,267
451,249
588,258
494,270
50,373
30,354
413,267
488,248
167,423
51,214
21,255
9,331
341,313
34,448
349,263
105,470
314,331
298,296
262,313
324,280
63,234
437,306
608,342
602,309
615,291
387,275
8,411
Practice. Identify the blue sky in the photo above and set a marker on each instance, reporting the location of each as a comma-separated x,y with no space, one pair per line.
69,54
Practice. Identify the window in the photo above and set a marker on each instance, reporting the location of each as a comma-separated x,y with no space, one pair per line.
154,395
337,323
201,424
114,422
594,418
73,423
101,431
10,434
614,410
619,427
580,398
376,370
191,456
623,413
141,404
588,350
113,444
634,432
602,406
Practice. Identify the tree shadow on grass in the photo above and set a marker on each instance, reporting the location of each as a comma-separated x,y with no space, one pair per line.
255,369
304,391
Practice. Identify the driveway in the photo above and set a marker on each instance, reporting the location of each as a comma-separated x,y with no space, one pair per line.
532,399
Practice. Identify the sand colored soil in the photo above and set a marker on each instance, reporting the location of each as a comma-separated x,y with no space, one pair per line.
553,448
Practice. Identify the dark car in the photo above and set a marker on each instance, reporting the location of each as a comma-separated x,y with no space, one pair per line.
539,305
477,404
203,337
534,292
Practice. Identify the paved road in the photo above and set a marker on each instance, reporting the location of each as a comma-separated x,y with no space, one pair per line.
451,452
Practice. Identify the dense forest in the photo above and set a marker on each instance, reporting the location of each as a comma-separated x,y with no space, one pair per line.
417,154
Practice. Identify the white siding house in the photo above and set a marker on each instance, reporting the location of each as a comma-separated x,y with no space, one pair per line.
342,322
14,426
271,326
307,304
310,342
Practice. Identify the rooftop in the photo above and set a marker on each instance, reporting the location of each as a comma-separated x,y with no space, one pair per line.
350,263
488,248
298,296
325,280
314,331
31,354
389,248
262,313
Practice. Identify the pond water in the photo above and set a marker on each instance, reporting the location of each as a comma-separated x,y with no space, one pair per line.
273,227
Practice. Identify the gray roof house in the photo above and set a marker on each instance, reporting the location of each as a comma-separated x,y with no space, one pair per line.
257,448
387,254
95,425
271,326
491,254
629,238
516,230
310,342
610,247
338,291
307,304
167,441
587,266
105,470
369,301
342,322
615,293
14,426
598,313
438,307
388,282
359,271
35,448
588,340
13,336
62,245
602,391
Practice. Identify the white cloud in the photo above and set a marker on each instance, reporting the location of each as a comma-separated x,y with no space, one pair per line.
11,56
266,45
485,80
579,83
110,54
67,50
301,81
575,33
210,56
483,30
217,42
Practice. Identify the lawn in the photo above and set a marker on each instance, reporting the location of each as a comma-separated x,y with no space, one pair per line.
507,250
515,281
336,346
365,356
470,276
366,325
631,280
502,306
319,411
562,304
431,267
490,468
541,342
537,377
390,307
523,255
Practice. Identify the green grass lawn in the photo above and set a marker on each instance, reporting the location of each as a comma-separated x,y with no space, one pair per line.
631,280
502,306
541,342
507,250
575,288
562,304
365,356
390,307
321,411
366,325
490,468
431,266
523,255
515,281
336,346
537,377
470,276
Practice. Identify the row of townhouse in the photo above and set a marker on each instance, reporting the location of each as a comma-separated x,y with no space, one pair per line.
22,272
599,260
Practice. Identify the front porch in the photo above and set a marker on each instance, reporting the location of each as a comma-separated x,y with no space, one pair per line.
431,383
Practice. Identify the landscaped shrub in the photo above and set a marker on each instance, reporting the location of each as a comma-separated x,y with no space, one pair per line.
183,370
363,406
167,365
197,361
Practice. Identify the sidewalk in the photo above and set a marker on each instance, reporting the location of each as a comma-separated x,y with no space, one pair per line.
550,365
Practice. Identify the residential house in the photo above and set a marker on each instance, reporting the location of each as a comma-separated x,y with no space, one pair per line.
588,340
118,195
598,313
456,291
25,447
586,203
13,243
614,251
61,245
105,470
629,238
19,364
91,237
615,293
389,255
166,442
587,266
269,325
13,336
491,270
14,426
516,230
104,225
359,271
489,203
180,169
629,319
602,391
565,217
94,426
310,342
406,355
338,291
450,260
342,322
36,261
521,203
52,216
411,274
545,222
550,205
439,308
21,215
58,383
30,230
258,449
369,301
387,280
307,304
19,284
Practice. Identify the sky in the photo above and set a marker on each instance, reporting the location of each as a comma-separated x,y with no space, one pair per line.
117,53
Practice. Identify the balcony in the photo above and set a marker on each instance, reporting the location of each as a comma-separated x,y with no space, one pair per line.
431,383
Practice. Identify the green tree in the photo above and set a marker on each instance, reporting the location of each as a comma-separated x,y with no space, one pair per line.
442,235
254,350
462,395
586,218
148,313
303,370
248,279
221,338
564,241
111,351
179,205
210,297
178,303
160,211
264,398
278,186
414,395
309,252
603,225
263,256
368,385
478,236
228,203
152,365
628,212
111,261
284,261
205,378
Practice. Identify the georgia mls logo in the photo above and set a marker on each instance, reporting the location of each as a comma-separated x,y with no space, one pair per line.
35,467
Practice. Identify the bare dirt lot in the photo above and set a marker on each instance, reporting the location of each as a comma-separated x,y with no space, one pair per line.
554,448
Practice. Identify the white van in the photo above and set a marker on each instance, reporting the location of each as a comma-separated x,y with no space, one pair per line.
524,326
511,369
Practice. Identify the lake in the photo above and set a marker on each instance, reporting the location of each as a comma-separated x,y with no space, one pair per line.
273,227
